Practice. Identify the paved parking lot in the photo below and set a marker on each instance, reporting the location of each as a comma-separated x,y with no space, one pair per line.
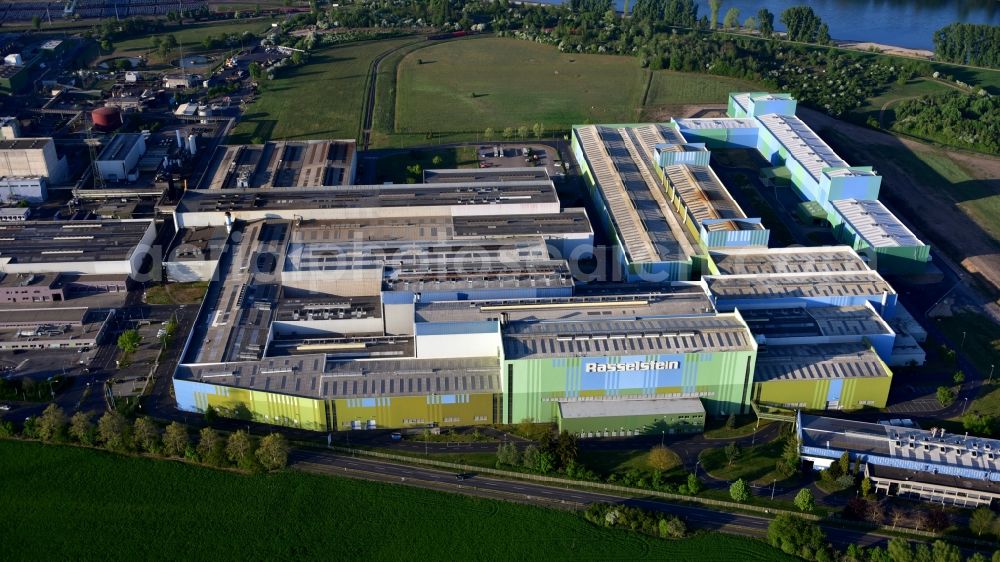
520,155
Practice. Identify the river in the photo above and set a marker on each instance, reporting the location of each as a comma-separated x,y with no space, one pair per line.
903,23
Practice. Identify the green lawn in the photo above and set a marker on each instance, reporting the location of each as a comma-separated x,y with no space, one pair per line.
605,463
982,348
469,85
69,503
745,425
393,167
755,463
320,100
177,293
679,88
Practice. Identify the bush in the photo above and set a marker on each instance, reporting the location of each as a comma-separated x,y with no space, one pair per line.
946,396
804,500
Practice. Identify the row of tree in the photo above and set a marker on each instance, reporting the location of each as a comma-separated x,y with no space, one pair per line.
968,43
115,432
804,538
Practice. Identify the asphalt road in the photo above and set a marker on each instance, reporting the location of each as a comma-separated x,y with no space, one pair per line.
323,462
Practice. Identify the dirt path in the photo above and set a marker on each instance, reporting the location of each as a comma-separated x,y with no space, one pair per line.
932,212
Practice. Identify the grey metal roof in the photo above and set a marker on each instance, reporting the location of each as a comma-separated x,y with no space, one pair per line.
620,337
367,196
629,407
875,224
816,259
312,376
861,283
803,322
70,241
818,361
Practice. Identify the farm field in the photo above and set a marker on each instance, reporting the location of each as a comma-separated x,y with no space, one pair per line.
69,503
320,100
466,86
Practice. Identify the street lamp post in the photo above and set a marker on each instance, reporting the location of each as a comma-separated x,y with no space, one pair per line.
965,405
962,347
990,381
773,483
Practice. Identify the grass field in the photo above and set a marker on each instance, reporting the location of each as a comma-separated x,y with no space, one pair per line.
397,167
670,88
982,349
190,35
68,503
755,463
605,463
473,84
321,100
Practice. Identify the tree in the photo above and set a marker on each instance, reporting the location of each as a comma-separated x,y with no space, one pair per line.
750,24
672,528
802,22
845,463
113,431
175,440
538,129
790,459
81,428
522,132
823,35
793,535
765,19
273,451
211,448
693,484
256,71
944,552
731,421
546,462
129,341
239,447
945,395
899,550
732,19
36,23
147,435
51,425
488,133
979,424
733,452
714,6
507,454
958,377
508,132
437,160
804,500
660,458
982,521
739,491
529,458
566,449
866,487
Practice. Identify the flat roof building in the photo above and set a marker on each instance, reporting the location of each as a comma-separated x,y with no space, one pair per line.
929,465
81,247
118,160
32,157
870,228
283,164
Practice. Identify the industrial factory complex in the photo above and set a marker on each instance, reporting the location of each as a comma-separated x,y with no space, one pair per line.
462,300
